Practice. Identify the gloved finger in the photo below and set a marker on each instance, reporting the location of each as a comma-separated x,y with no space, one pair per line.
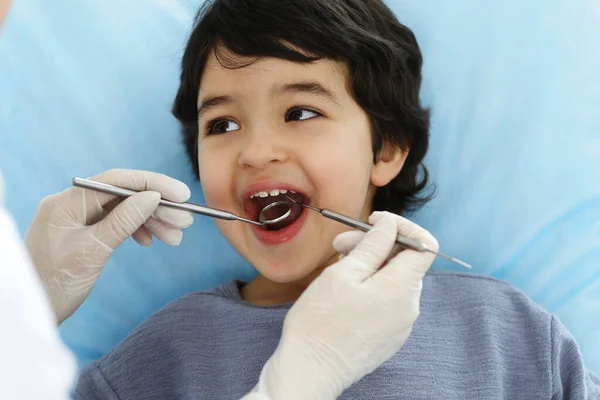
372,251
175,218
126,218
169,188
142,236
164,232
408,267
345,242
402,273
408,229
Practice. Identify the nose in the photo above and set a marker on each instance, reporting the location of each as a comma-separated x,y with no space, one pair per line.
261,150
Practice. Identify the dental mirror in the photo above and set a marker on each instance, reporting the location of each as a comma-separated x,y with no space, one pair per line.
275,212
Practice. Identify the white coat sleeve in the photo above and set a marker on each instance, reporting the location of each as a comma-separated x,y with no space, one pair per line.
34,363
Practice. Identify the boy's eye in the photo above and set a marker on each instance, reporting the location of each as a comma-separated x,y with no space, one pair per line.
221,126
300,114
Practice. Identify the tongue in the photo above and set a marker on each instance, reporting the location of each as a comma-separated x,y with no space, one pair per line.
296,209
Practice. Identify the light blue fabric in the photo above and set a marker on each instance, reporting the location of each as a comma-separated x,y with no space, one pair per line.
515,92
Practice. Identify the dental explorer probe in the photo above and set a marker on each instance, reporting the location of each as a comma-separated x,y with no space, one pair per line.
402,240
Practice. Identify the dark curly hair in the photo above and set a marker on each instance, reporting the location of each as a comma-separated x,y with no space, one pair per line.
382,57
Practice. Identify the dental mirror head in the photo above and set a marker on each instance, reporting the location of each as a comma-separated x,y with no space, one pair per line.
275,212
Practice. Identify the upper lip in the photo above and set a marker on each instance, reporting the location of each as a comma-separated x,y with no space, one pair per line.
266,186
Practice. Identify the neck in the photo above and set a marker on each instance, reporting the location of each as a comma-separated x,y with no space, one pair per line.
264,292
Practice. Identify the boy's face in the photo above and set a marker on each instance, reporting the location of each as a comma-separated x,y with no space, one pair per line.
274,125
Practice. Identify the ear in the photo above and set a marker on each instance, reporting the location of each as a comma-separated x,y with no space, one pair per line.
388,164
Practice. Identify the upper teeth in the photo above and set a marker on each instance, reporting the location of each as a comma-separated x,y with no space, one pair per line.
274,192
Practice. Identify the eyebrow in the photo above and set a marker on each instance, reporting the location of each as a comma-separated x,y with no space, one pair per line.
211,102
310,87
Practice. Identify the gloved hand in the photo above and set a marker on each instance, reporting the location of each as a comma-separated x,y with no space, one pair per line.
356,315
73,233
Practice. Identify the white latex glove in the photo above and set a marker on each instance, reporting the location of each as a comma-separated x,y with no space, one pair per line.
74,232
356,315
34,363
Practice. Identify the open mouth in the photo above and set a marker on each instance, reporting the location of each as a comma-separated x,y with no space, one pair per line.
258,201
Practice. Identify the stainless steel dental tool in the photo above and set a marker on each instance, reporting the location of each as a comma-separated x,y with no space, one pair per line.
401,240
195,208
279,209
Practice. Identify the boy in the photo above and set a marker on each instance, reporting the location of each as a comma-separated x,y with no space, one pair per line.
319,101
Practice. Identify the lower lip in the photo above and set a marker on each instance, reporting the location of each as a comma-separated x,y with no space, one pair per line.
281,236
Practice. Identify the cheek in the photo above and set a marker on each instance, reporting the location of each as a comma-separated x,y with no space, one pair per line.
215,178
341,171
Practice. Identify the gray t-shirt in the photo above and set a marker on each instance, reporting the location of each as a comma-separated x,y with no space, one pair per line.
476,338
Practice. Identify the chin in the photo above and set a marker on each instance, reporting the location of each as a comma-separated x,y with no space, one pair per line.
295,268
286,272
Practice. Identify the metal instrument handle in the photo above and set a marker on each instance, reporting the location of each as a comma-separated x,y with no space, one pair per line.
195,208
404,241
